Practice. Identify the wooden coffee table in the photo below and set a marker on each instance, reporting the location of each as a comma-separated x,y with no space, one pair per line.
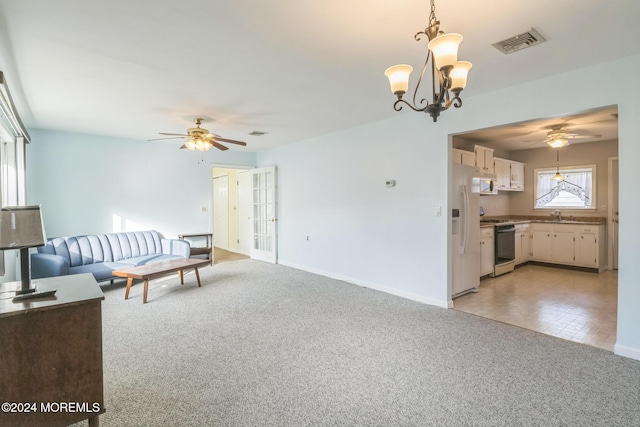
159,269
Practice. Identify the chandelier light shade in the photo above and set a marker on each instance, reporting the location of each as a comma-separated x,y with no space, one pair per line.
398,76
448,75
445,50
459,74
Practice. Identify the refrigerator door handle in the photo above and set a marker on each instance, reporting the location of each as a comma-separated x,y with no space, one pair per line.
464,223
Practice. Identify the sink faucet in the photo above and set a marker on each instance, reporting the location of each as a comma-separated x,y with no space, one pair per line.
557,214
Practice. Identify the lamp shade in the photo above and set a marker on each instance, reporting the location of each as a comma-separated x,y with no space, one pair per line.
459,74
445,49
398,76
21,227
557,177
557,142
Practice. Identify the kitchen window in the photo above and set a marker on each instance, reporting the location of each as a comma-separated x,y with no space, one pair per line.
576,189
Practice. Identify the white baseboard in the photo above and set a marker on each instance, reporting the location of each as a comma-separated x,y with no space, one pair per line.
382,288
630,352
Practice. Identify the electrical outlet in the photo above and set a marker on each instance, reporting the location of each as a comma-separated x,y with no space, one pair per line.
204,209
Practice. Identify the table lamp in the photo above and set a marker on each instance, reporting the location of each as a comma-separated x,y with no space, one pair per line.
21,228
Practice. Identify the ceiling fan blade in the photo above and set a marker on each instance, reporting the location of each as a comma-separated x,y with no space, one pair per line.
231,141
174,134
219,146
160,139
584,135
183,146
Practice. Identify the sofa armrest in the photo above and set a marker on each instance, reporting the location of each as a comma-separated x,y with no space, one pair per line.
176,247
48,265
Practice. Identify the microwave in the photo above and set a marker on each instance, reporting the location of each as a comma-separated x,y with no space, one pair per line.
488,185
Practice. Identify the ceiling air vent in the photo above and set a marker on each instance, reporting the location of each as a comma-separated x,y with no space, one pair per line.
258,133
519,42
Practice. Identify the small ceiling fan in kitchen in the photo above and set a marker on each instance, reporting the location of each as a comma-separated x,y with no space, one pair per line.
559,135
199,138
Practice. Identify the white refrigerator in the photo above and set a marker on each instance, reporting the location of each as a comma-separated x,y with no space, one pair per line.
465,228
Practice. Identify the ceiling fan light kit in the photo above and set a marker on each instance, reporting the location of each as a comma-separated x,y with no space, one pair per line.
451,74
200,139
557,142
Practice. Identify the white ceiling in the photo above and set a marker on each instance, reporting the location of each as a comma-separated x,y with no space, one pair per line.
590,126
295,69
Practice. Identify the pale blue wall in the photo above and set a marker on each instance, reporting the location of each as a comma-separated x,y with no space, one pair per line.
92,184
332,188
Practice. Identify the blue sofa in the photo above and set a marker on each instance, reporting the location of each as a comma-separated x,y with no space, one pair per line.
101,254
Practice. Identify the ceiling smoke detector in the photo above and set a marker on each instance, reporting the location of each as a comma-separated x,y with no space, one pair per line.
519,42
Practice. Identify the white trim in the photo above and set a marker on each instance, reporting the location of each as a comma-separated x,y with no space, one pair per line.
376,287
609,228
624,351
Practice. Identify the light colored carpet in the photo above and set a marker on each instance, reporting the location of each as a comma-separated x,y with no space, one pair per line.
267,345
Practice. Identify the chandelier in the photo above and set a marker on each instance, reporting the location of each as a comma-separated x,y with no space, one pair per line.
451,74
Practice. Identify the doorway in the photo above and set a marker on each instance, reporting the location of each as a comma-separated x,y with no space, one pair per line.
229,207
244,213
570,304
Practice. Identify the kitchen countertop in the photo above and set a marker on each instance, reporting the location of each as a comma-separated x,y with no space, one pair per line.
522,219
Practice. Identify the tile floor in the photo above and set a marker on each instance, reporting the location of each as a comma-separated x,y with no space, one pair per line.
574,305
221,255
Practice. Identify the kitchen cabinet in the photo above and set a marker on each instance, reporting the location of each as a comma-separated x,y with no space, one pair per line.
523,236
563,251
484,159
486,251
462,157
517,176
590,247
569,244
503,174
509,174
541,244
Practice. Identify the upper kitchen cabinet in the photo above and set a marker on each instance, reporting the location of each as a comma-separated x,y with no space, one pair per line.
484,159
517,176
462,157
509,175
503,174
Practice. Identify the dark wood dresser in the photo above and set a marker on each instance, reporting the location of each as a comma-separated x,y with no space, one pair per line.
51,354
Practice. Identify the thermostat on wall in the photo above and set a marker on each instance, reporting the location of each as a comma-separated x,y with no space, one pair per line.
391,183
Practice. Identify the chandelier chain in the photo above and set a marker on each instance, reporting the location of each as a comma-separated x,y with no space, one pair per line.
432,16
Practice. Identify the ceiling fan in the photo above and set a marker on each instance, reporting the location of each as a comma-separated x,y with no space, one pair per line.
200,138
558,137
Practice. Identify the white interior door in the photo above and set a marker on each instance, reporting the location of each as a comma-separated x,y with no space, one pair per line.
245,234
221,212
263,185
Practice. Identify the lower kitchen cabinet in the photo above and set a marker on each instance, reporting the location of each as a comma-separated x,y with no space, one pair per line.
486,251
590,247
522,244
569,244
541,243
